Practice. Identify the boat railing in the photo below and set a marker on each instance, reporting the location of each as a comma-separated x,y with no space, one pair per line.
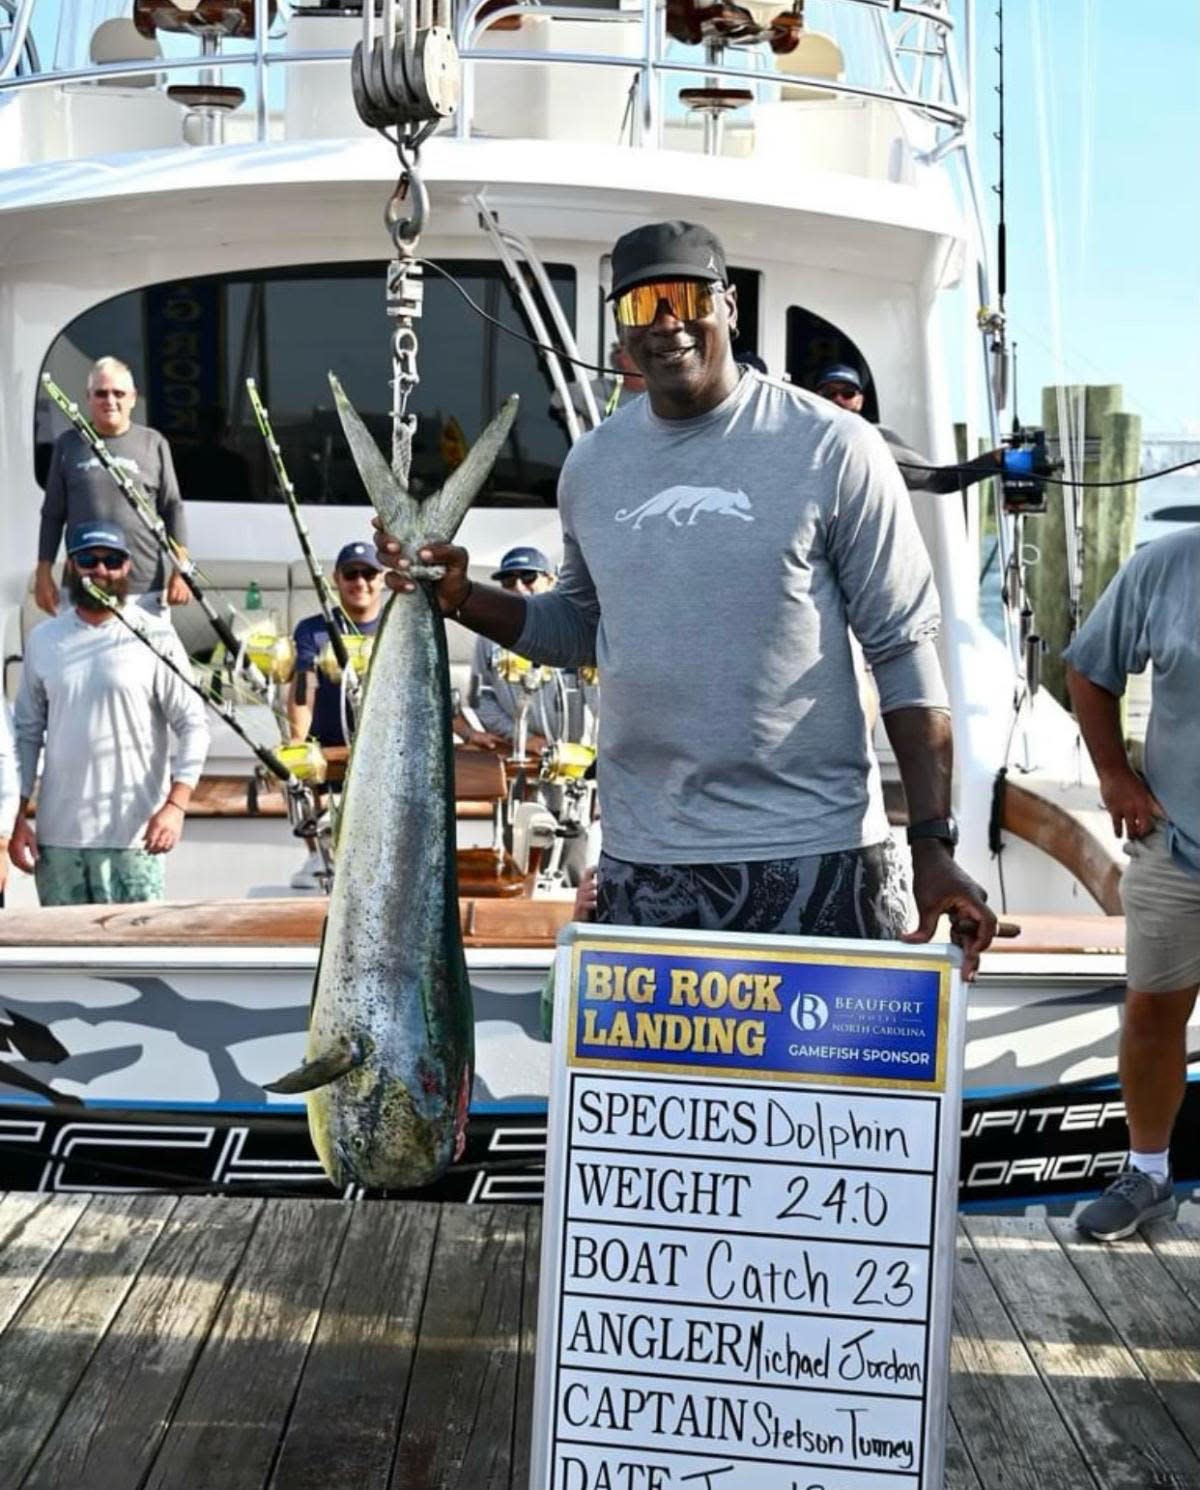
910,47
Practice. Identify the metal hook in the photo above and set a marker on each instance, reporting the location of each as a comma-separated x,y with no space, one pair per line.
405,230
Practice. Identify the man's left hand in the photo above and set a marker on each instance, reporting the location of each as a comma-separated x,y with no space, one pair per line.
164,829
942,888
177,589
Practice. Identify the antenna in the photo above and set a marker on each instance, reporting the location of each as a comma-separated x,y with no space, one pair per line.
1001,228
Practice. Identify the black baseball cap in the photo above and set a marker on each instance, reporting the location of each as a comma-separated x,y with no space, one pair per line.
96,535
666,250
357,553
841,372
524,561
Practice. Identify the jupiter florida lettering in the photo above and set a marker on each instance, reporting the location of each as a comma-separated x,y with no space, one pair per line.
749,1220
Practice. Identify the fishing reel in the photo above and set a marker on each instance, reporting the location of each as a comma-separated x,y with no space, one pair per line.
519,672
1025,468
358,650
566,761
272,654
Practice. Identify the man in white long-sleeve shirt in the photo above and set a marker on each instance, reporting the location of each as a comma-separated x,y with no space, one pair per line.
9,791
111,802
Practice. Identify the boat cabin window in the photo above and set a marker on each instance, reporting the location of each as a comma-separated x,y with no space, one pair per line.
192,344
813,344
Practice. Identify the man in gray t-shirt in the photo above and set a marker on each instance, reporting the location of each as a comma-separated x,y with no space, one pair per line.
1147,616
78,489
721,538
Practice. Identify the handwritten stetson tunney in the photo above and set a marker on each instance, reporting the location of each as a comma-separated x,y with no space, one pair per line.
750,1208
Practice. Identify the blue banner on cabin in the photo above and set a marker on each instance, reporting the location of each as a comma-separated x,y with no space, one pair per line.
834,1018
184,359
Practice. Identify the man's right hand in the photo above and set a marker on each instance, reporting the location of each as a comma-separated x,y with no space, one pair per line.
1129,802
452,589
22,846
45,591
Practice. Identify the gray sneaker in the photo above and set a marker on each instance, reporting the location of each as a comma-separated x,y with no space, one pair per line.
1132,1199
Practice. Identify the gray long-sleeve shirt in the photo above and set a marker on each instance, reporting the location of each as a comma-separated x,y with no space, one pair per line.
103,707
713,568
79,489
1148,615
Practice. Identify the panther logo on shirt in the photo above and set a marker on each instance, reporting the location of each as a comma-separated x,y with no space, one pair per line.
677,501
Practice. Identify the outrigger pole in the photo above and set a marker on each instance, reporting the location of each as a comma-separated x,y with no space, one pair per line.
149,515
324,593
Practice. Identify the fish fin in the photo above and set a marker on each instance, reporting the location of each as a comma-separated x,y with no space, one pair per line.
444,512
388,494
319,1072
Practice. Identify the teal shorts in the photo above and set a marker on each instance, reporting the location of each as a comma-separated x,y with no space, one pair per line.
97,876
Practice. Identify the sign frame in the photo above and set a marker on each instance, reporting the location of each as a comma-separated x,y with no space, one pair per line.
946,1087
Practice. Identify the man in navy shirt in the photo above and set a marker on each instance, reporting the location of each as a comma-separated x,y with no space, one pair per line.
315,702
315,707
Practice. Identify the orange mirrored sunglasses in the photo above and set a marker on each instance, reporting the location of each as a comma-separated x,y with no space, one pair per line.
687,300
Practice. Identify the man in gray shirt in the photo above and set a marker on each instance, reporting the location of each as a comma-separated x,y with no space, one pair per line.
721,537
111,801
1148,615
78,489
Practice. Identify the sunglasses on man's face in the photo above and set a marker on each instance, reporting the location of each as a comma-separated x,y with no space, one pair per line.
88,559
100,394
686,299
366,575
840,390
518,577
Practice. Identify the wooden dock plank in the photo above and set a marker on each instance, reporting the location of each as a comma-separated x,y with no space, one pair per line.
1125,1433
53,1335
226,1427
1154,1317
458,1420
960,1472
1177,1247
1010,1426
341,1433
110,1431
31,1231
527,1358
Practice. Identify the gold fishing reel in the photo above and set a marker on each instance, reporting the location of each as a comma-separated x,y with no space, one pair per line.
273,655
567,760
589,676
305,760
358,649
519,671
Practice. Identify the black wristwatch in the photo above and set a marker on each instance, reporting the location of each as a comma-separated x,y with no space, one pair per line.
944,828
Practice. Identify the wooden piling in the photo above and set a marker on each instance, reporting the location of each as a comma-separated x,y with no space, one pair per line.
1111,451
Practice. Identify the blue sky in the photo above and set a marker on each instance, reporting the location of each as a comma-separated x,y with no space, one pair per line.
1103,122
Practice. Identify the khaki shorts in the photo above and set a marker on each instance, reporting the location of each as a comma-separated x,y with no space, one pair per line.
1162,918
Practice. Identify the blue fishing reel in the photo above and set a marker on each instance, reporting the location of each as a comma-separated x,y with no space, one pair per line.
1024,471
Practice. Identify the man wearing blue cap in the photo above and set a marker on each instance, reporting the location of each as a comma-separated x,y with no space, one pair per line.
843,384
315,702
522,571
99,709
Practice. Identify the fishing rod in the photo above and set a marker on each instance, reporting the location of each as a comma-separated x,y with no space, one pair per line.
222,707
152,519
322,586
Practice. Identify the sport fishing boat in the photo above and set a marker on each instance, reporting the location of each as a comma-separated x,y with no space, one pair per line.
189,187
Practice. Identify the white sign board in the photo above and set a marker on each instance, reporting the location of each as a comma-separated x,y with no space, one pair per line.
748,1244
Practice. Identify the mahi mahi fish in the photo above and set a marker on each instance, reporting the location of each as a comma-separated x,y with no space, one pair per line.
391,1038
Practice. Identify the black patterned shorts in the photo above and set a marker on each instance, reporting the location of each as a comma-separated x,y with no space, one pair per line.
853,893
